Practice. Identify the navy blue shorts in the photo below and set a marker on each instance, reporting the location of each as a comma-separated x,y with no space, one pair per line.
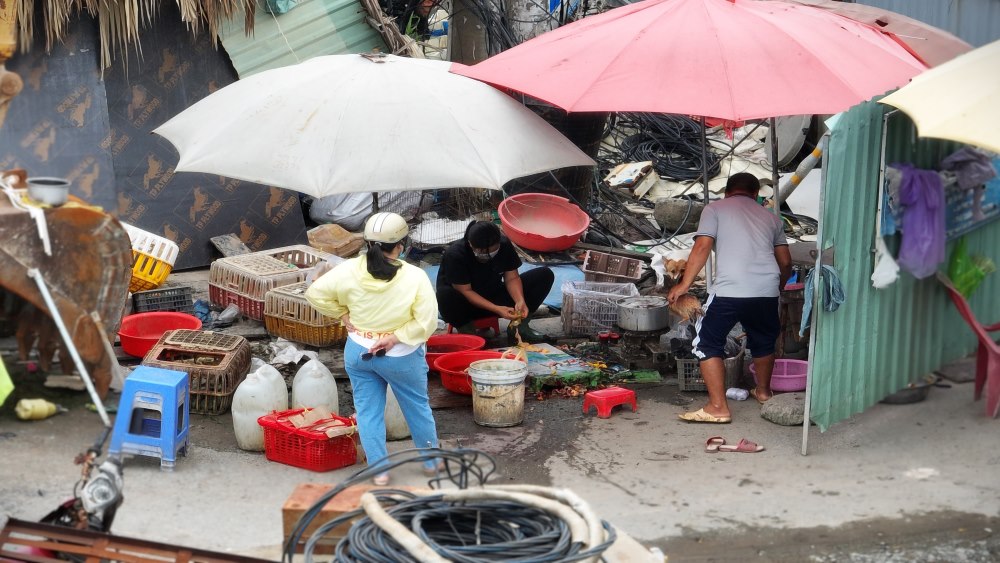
758,315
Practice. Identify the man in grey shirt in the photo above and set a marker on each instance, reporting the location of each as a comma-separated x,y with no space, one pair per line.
752,265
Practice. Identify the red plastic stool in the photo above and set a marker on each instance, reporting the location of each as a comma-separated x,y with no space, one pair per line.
607,399
482,324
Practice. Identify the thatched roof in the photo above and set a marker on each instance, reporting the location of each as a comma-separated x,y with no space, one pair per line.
120,21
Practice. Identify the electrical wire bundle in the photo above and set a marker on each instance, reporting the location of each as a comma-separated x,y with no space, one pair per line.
525,524
672,142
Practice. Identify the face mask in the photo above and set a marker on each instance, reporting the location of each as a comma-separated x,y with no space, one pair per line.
486,256
406,248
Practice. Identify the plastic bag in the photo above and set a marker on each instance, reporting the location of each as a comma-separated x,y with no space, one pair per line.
966,271
886,270
323,267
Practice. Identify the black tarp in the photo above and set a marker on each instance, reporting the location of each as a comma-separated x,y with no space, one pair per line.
70,122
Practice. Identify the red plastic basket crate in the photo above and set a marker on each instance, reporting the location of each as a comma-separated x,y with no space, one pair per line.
305,448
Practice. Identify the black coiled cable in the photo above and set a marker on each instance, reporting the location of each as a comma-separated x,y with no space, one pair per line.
468,532
672,142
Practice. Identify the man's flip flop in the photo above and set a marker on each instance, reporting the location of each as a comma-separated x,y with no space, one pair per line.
712,444
701,416
744,446
753,393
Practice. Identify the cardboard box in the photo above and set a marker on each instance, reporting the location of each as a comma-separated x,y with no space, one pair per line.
306,495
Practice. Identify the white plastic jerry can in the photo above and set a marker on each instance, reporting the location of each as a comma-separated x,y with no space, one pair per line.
395,425
314,386
256,396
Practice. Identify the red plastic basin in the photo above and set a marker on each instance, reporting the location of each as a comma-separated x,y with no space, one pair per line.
542,222
139,332
788,375
441,344
453,368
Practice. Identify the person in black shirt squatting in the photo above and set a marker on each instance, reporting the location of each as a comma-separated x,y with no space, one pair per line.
478,278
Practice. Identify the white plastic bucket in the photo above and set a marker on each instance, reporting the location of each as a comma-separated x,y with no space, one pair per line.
498,392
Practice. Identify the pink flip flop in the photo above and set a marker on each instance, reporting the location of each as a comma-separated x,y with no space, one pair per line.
744,446
713,444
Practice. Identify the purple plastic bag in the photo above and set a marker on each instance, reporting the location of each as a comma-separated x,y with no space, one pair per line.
922,198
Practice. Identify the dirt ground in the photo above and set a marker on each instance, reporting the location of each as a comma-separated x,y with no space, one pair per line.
897,483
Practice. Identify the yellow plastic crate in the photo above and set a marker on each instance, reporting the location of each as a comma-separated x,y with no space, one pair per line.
153,259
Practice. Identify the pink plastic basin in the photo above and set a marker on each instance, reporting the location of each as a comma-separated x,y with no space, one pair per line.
788,375
542,222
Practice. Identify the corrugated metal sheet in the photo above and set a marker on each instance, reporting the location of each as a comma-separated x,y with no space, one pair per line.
975,21
880,340
311,28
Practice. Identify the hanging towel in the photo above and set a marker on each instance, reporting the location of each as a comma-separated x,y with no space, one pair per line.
831,298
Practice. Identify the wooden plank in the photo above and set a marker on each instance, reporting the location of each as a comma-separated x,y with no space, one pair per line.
441,398
230,245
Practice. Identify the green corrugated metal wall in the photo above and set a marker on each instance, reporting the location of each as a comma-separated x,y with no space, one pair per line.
311,28
880,340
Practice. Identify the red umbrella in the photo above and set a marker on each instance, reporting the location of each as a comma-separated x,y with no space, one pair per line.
931,45
731,59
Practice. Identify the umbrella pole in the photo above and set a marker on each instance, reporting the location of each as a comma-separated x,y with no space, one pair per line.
374,202
704,182
772,123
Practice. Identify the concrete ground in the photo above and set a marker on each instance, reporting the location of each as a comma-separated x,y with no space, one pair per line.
916,482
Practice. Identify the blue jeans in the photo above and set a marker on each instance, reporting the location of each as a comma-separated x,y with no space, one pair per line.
408,377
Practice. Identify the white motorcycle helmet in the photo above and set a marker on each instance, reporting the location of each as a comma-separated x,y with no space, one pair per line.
386,227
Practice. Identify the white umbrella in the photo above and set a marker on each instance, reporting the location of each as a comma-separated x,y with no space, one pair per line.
360,123
957,100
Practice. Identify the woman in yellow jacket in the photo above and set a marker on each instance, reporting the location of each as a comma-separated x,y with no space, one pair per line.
389,309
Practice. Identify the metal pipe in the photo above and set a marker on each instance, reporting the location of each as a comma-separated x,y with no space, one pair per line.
807,164
34,274
772,124
704,180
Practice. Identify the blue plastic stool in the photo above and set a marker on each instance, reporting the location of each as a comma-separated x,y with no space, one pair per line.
153,415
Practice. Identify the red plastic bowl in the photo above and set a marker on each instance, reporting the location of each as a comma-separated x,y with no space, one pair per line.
453,368
542,222
139,332
441,344
788,375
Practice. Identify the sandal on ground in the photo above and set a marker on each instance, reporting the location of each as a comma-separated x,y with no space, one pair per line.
701,416
713,444
744,446
381,480
433,471
753,393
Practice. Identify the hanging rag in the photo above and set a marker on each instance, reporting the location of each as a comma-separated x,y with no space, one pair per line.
923,244
831,297
886,270
973,167
891,210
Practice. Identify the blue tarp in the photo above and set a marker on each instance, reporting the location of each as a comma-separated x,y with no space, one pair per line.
554,298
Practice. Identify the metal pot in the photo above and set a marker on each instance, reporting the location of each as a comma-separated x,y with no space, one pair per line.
643,313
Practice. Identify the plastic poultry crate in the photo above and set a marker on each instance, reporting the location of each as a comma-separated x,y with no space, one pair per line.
287,314
179,299
153,258
603,267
